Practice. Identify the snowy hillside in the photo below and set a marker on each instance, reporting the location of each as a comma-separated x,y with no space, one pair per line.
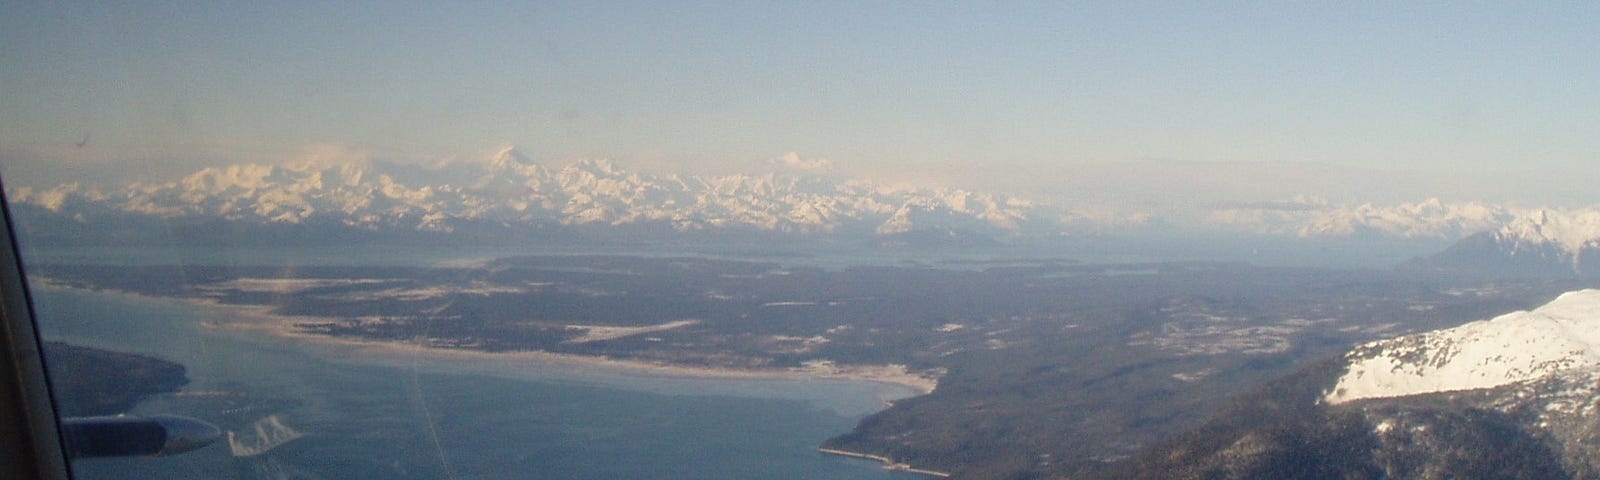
1514,396
1560,336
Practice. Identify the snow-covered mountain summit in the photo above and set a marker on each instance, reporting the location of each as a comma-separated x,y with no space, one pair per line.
1562,336
1573,231
1563,242
1515,396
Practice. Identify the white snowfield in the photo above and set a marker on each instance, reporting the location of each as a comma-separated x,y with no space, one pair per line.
1560,336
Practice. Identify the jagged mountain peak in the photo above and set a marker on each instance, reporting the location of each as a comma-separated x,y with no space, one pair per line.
509,157
1540,242
597,166
1571,230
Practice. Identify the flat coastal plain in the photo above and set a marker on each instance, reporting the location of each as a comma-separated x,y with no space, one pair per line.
1018,368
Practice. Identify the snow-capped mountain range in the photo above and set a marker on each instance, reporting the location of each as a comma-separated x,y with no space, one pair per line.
512,191
1489,238
508,191
1309,217
1428,219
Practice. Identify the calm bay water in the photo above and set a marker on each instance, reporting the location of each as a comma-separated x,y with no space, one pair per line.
421,417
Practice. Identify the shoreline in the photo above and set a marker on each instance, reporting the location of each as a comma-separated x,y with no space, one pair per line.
261,318
285,327
245,326
888,463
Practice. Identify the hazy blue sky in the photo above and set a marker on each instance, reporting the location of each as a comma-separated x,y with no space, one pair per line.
1073,99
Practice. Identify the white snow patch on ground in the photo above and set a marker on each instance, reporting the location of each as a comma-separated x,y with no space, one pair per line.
595,333
787,304
1191,377
287,285
435,291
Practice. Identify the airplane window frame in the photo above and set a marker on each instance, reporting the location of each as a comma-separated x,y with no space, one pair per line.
30,439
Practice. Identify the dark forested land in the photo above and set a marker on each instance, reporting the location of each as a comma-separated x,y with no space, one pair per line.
1049,368
1283,430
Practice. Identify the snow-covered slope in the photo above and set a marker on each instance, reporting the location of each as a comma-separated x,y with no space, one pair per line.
1561,336
1572,231
1515,396
1540,242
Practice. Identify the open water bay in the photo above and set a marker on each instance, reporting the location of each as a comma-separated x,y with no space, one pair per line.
305,410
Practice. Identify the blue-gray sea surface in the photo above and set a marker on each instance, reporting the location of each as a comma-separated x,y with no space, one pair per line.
347,418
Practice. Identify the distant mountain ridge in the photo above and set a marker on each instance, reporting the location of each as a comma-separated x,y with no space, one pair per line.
510,192
507,197
1541,243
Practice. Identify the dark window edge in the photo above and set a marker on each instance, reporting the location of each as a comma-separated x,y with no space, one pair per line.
30,442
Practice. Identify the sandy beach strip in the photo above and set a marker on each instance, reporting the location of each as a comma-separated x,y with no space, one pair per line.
888,464
263,319
595,333
285,326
